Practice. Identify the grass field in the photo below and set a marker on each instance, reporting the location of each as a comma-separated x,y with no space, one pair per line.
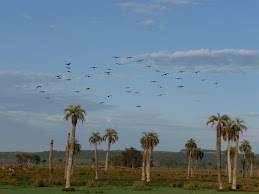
36,180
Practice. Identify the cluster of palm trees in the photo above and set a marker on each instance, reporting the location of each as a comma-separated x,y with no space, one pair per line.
24,159
194,153
76,113
148,142
230,130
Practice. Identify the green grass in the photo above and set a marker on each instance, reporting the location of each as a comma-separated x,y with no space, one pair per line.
108,189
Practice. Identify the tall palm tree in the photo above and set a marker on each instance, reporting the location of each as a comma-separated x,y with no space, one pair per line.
251,158
198,155
219,121
67,154
152,142
238,126
190,146
112,136
228,135
76,113
232,154
96,139
77,149
144,144
245,147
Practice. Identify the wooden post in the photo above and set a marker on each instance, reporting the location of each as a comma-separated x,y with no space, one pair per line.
50,160
67,153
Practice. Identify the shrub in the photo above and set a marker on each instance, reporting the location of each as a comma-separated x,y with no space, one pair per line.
189,186
138,186
178,184
39,182
92,183
207,185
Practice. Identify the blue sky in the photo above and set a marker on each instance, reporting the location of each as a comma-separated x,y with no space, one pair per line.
219,39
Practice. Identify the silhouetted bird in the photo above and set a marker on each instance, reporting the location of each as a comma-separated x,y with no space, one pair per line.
149,65
108,96
68,64
109,69
216,83
181,71
38,87
116,57
138,106
101,102
77,91
137,92
180,86
127,87
47,98
68,79
140,60
87,76
94,67
87,88
178,78
165,74
153,81
69,71
118,63
196,71
129,57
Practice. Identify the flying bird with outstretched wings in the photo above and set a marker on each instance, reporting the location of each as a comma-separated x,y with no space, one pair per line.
38,87
180,86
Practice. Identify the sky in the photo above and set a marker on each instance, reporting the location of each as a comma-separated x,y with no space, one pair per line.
214,42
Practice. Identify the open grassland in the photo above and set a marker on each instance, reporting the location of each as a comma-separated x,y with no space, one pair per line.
118,181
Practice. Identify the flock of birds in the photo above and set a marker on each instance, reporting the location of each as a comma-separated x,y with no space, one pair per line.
109,71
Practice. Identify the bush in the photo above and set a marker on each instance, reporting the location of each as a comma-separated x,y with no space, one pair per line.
39,182
207,185
178,184
92,183
138,186
189,186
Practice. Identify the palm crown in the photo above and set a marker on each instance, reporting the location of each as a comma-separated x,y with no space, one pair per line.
111,135
76,113
96,138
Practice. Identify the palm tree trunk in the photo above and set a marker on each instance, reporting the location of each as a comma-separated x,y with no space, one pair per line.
244,165
107,156
234,182
189,165
70,157
67,153
219,157
96,161
149,163
191,168
50,160
229,164
251,169
143,164
196,162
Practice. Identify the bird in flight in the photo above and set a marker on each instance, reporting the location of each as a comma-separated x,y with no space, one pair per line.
68,64
196,71
153,81
165,74
116,57
87,88
161,86
160,94
127,87
149,65
38,87
68,79
108,96
216,83
180,71
101,102
129,57
137,92
138,106
47,98
94,67
109,69
203,80
87,76
180,86
108,73
140,60
77,91
178,78
58,75
118,63
69,71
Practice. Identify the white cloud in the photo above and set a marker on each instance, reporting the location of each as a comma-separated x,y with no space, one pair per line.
178,2
146,23
249,114
225,60
142,8
52,26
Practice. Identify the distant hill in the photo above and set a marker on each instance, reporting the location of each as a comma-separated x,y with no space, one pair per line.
178,159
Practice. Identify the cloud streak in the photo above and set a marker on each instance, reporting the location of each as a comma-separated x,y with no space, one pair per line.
212,61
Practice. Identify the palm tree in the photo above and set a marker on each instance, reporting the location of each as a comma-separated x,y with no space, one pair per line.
232,154
50,160
67,154
198,155
219,121
96,138
245,147
76,113
190,146
93,161
144,144
228,135
77,149
251,158
238,126
112,136
152,142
